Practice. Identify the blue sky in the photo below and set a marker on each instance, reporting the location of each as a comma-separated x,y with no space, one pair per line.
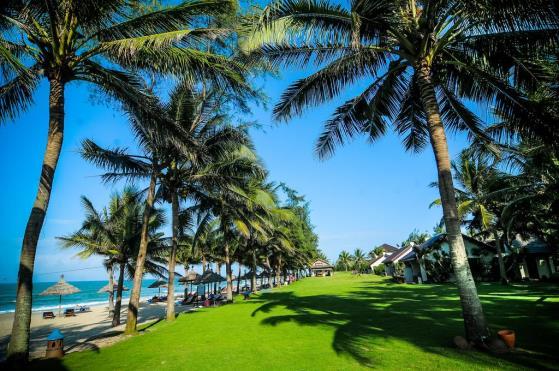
363,196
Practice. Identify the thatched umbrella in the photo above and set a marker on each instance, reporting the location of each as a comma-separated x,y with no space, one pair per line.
210,277
158,284
107,289
60,288
189,278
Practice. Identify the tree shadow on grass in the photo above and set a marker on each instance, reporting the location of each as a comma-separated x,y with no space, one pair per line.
427,316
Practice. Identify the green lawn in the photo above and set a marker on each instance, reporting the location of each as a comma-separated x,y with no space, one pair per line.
340,323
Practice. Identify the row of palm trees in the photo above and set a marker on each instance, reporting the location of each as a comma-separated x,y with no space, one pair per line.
421,60
114,233
107,44
205,168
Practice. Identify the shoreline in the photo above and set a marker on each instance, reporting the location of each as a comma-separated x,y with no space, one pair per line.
85,330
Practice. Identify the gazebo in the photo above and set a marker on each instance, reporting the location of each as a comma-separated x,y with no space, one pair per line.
320,268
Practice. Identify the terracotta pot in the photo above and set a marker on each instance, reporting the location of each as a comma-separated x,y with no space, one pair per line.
508,336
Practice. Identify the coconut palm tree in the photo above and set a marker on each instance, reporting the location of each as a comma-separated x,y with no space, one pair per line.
419,60
477,184
96,42
344,260
153,137
235,213
359,260
206,163
115,232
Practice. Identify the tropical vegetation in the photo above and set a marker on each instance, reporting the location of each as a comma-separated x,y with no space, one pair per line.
421,61
183,74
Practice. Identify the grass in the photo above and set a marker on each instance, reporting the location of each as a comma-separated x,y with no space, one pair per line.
343,322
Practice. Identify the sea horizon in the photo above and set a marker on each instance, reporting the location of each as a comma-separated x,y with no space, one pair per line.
88,294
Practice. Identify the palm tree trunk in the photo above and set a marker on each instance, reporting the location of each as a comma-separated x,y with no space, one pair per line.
502,270
278,272
18,348
228,273
119,288
173,257
204,264
111,292
134,303
253,278
472,311
239,280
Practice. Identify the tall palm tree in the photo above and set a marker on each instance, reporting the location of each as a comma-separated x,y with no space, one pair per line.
206,163
153,137
344,259
477,183
93,41
114,233
423,57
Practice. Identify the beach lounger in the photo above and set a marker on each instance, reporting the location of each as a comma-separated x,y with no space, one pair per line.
48,315
69,312
189,300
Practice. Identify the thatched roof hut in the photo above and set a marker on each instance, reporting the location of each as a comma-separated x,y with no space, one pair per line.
107,289
60,288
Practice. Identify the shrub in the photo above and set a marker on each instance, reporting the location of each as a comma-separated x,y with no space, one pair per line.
379,270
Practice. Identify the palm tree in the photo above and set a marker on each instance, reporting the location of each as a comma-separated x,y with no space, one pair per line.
477,184
236,212
93,41
114,233
423,58
205,163
344,259
359,260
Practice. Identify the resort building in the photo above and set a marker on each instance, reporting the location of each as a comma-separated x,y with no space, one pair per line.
435,254
538,258
387,250
321,268
390,263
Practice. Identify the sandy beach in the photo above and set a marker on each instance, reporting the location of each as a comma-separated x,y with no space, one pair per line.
89,330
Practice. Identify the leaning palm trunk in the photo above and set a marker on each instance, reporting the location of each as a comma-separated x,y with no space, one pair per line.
502,270
228,273
111,291
133,304
18,349
119,288
474,319
173,257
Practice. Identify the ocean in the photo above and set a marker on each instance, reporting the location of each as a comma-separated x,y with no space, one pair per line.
87,296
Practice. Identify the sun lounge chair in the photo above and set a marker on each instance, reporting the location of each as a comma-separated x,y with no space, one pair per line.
48,315
219,299
83,309
189,300
69,312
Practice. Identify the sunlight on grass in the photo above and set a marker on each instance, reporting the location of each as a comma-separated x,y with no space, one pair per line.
343,322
